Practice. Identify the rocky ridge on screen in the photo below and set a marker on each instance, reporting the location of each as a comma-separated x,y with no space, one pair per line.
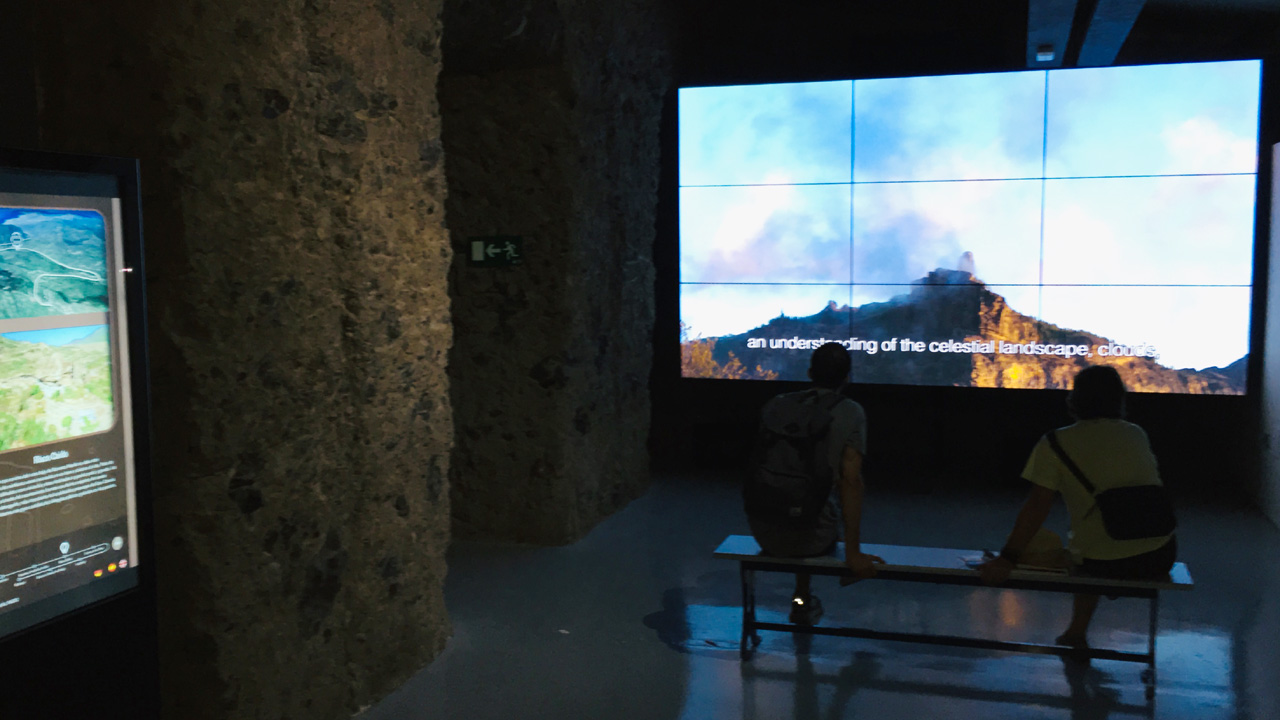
949,329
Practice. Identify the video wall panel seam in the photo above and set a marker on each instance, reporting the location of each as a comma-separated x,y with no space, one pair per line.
853,187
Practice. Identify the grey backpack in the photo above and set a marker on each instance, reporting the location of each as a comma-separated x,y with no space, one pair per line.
791,475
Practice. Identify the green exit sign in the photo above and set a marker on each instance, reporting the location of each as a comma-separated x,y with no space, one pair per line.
496,251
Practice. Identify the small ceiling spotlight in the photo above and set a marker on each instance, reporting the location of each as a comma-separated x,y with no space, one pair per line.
1044,53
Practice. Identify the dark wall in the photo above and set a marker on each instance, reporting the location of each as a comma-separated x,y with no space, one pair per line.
18,81
107,650
551,114
297,264
931,439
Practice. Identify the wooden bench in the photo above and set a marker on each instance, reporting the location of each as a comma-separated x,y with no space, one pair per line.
944,566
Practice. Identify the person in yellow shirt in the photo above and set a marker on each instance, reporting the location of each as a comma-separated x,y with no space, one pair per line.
1111,453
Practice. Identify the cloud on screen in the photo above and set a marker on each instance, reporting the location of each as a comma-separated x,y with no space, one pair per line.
1191,327
1151,231
765,234
1156,119
902,231
955,127
751,134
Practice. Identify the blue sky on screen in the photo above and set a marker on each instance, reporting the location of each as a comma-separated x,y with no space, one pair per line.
955,127
902,231
716,310
23,217
750,134
1154,119
1191,327
785,233
56,336
1150,231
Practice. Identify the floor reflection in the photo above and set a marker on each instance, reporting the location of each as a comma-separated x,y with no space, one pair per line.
803,676
818,694
654,631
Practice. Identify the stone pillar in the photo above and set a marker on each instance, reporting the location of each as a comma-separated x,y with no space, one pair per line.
299,321
551,114
1267,490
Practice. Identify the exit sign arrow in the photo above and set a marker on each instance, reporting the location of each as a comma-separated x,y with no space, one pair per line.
496,251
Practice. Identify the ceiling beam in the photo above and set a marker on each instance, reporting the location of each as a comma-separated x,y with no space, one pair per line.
1048,28
1108,28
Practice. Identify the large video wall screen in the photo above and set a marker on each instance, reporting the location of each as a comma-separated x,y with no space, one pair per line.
994,230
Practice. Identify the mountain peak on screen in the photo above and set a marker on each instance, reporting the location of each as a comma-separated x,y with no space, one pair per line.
949,329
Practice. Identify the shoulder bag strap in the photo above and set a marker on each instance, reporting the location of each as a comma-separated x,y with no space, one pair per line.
1052,437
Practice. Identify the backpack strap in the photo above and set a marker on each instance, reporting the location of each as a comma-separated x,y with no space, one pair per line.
832,401
827,403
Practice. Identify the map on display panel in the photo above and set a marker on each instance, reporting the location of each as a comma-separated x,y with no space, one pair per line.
52,262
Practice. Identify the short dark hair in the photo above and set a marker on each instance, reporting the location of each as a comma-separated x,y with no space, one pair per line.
1098,392
829,365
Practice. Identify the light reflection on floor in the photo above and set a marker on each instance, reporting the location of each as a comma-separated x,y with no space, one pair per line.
638,621
819,677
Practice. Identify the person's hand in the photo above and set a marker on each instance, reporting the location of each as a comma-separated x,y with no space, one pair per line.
996,570
862,565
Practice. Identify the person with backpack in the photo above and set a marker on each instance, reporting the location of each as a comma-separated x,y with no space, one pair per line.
806,464
1121,520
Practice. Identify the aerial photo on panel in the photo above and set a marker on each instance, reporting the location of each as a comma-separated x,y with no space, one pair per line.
54,384
52,262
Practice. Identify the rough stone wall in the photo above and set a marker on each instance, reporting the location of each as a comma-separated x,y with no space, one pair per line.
507,363
299,320
551,113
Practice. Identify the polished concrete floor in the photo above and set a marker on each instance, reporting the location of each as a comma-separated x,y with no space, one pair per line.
637,620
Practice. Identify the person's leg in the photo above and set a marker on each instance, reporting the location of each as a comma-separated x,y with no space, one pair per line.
1082,607
806,608
802,586
1154,564
789,542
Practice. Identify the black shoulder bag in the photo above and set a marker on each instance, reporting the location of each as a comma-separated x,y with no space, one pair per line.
1128,513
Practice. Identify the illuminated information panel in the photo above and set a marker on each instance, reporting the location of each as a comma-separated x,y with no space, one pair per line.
68,500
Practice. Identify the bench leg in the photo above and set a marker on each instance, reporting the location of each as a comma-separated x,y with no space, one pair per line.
749,636
1149,674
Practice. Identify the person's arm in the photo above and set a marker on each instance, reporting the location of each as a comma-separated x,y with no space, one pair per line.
1030,518
851,487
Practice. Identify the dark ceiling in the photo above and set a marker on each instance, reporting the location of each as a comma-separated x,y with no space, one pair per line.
768,40
1204,30
719,42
